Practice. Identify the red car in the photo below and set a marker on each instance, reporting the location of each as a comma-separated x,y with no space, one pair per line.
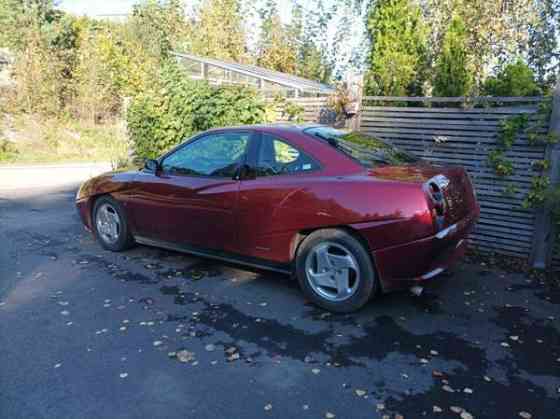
348,214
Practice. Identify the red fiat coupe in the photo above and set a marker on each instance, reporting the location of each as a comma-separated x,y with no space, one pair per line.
347,214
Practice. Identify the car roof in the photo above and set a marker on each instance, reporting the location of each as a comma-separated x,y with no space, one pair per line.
278,128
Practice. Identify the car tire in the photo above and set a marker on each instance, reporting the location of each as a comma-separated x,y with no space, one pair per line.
110,224
318,260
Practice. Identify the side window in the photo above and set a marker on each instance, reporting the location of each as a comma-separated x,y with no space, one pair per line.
216,155
277,157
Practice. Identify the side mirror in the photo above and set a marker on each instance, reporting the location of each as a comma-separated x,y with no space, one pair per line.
151,166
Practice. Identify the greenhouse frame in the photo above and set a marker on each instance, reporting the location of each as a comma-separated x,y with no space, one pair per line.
269,82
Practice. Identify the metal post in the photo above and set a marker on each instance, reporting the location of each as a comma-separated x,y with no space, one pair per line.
543,238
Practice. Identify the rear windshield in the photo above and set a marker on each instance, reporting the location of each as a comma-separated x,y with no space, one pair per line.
367,150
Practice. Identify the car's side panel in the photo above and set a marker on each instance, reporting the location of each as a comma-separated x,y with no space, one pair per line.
185,209
273,210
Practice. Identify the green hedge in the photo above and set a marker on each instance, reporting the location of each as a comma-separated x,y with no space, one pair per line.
176,108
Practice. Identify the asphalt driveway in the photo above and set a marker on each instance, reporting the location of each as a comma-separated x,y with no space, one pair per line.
86,333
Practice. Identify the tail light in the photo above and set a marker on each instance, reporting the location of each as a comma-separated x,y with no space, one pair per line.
435,193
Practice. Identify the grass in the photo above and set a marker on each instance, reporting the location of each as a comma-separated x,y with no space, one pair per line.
34,140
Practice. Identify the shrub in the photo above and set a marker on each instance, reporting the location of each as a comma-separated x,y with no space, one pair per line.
177,108
515,79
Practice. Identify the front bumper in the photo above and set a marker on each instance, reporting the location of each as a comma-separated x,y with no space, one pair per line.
83,206
404,265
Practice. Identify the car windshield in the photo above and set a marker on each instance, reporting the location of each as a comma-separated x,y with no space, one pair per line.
367,150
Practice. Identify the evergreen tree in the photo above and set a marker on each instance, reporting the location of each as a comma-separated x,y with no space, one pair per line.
276,46
453,73
160,26
544,51
219,32
398,54
311,62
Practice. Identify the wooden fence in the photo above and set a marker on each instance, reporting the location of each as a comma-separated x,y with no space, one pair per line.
446,131
315,109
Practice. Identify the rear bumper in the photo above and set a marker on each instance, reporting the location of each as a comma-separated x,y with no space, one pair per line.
408,264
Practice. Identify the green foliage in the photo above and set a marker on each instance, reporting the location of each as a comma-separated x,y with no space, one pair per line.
537,193
499,163
219,32
8,150
276,45
281,109
53,140
544,34
453,73
510,128
398,56
311,61
515,79
177,108
159,26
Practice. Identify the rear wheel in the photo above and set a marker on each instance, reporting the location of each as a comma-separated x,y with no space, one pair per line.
335,271
110,224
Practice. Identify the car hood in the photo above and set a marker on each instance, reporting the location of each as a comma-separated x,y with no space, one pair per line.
106,183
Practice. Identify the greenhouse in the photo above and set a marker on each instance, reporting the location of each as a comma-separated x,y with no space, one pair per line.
270,82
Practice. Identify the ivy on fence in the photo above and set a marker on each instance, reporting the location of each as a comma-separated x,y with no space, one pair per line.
541,193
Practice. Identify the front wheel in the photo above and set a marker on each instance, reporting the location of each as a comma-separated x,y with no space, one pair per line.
110,224
335,271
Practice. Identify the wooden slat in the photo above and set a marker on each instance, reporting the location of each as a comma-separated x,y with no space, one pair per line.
457,111
458,99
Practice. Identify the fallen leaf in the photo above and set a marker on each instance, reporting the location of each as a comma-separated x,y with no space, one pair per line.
185,356
233,357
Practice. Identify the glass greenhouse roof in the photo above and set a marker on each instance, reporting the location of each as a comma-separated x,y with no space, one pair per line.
218,72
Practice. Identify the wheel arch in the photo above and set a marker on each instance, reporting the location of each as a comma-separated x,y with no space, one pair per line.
302,234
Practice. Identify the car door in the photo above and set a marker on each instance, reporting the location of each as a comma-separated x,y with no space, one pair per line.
192,198
277,201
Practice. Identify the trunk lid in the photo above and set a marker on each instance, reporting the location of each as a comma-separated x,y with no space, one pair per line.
448,188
